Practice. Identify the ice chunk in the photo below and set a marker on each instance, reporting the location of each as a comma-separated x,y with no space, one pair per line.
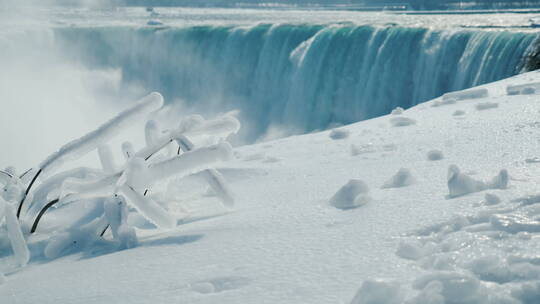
411,250
339,134
379,292
397,111
466,94
402,178
402,121
435,155
148,208
461,184
486,105
18,243
455,286
523,89
431,294
514,223
353,194
105,132
500,181
106,158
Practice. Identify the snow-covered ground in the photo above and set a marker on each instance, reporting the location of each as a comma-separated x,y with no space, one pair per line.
394,235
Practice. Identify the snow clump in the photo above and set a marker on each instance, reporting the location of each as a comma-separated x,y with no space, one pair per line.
379,292
397,111
352,195
402,178
460,184
402,121
435,155
339,134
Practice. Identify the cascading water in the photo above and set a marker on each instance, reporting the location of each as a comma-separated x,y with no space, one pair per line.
299,77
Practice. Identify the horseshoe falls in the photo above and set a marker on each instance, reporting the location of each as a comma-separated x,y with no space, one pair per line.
297,78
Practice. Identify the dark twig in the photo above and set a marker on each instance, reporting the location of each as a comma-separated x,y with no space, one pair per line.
36,222
104,230
152,154
25,172
6,173
26,192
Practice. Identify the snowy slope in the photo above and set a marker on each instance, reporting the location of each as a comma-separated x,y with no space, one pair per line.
285,243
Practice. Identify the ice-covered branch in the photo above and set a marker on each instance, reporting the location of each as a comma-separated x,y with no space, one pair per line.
105,132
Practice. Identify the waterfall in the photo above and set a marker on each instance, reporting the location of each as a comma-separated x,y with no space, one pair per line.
299,77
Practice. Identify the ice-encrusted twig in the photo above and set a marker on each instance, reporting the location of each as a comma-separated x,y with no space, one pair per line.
106,158
105,132
212,176
148,208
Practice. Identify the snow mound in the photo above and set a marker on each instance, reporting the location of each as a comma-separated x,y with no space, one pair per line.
339,134
361,149
435,155
491,199
460,184
402,121
466,94
378,292
486,105
402,178
458,113
352,195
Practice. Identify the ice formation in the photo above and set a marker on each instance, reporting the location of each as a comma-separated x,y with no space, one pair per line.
105,195
460,184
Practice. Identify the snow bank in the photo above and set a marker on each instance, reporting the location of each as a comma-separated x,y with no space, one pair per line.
352,195
402,178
